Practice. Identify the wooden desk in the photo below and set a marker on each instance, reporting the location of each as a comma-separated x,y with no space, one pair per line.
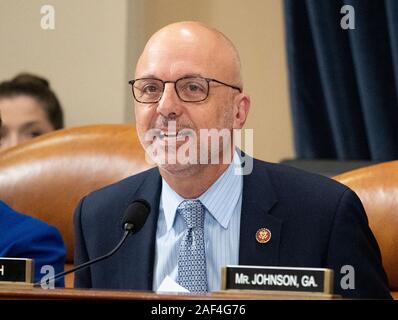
88,294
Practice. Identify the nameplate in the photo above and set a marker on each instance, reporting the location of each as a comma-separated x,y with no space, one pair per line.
16,270
277,279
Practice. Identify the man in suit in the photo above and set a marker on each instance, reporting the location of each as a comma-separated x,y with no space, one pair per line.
207,214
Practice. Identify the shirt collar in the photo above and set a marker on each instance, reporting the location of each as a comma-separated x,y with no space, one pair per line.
220,199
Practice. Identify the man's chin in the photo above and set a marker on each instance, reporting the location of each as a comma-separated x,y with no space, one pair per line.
178,169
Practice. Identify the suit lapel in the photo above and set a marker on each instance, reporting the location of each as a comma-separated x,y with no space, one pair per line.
258,200
139,271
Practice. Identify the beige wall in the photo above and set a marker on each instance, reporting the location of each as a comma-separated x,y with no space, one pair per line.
92,52
84,57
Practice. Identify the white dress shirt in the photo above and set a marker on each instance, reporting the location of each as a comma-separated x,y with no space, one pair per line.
223,202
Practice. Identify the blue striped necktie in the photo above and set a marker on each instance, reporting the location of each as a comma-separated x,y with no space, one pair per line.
192,259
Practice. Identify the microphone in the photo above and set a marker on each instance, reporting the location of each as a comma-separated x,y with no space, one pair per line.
133,220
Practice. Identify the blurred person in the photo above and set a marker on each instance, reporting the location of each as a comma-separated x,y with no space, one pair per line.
22,236
29,108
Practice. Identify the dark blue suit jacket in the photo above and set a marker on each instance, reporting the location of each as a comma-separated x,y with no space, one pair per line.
22,236
315,222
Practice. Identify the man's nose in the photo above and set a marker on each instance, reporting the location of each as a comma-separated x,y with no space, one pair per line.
170,103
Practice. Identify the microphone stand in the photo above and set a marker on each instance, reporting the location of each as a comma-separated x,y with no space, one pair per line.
128,228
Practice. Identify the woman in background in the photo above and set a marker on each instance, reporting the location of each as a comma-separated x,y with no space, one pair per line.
29,108
22,236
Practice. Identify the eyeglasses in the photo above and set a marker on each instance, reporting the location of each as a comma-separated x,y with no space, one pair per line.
188,89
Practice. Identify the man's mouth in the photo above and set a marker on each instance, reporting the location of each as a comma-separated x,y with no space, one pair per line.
178,135
164,134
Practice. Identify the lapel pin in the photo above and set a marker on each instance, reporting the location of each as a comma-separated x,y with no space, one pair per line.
263,235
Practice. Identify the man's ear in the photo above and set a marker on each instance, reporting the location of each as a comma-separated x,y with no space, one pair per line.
242,107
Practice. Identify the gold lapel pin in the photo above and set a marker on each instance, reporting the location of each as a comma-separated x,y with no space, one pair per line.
263,235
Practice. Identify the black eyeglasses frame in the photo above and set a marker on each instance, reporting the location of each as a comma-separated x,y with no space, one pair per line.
208,80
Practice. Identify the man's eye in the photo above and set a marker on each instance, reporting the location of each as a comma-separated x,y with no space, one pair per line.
150,89
193,87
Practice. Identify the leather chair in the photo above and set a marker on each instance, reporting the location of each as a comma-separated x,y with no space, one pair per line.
377,187
46,177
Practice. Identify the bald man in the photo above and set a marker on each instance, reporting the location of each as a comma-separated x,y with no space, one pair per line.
209,208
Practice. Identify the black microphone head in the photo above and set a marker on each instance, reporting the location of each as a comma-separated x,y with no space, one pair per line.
135,215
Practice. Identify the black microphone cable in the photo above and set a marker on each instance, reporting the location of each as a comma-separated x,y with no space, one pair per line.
134,219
